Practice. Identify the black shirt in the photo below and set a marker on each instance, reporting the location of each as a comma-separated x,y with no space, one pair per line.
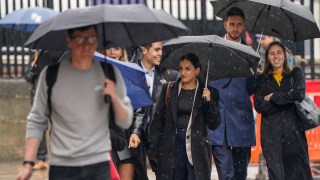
185,101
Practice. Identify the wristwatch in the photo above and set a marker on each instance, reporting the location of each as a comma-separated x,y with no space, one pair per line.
32,163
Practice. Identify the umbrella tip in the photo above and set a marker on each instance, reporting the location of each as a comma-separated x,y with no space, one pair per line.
213,3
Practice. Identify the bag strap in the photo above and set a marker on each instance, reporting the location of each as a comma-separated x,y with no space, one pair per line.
168,89
51,78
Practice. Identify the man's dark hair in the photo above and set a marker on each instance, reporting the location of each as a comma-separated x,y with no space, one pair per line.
234,11
81,29
147,46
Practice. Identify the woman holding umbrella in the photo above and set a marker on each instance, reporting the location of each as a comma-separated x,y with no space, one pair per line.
178,131
284,144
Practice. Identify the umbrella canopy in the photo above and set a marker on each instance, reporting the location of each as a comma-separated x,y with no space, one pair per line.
226,59
280,18
134,78
117,26
27,19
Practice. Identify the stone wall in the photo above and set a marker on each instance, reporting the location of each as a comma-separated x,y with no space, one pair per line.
14,108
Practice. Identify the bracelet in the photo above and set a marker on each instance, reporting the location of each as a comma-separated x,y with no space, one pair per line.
32,163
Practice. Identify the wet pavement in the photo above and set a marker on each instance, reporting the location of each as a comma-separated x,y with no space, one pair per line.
9,171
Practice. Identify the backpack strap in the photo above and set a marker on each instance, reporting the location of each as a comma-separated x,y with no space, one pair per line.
168,90
108,71
51,78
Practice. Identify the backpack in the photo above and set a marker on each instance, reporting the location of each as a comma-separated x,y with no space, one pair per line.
51,78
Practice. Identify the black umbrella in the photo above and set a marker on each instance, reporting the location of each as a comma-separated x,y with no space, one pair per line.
117,25
220,57
279,18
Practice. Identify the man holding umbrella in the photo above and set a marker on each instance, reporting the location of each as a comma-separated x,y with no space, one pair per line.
232,141
80,136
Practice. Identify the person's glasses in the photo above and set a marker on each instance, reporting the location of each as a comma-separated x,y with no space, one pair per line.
83,39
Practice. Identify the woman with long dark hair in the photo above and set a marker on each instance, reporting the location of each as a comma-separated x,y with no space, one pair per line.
284,143
178,131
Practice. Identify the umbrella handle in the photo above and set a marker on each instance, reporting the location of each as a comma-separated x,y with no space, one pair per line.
107,99
264,26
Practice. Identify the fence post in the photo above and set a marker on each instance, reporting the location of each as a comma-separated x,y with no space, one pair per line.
50,4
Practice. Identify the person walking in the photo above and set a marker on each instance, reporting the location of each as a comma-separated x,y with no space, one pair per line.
178,134
284,144
80,137
32,78
156,77
40,60
232,141
128,160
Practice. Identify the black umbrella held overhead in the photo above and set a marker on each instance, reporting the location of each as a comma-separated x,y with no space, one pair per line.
220,58
279,18
117,26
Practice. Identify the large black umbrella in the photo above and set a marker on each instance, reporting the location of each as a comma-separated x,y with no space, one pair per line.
220,58
117,25
279,18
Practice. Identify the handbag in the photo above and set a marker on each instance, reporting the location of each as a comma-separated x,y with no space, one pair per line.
114,175
308,113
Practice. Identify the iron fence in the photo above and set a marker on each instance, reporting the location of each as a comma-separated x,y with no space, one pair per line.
197,15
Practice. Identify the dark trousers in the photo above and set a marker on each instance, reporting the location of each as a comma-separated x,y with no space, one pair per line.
42,150
287,155
183,170
231,162
99,171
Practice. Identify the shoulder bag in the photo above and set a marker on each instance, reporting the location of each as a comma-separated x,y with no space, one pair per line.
308,113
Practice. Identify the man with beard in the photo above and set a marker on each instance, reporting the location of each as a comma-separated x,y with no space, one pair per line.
232,141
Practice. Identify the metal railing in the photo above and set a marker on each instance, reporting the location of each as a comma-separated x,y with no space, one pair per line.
197,15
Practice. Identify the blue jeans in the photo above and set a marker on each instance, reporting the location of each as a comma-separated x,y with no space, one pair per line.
99,171
183,170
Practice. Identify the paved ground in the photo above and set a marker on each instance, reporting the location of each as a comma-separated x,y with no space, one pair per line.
9,170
